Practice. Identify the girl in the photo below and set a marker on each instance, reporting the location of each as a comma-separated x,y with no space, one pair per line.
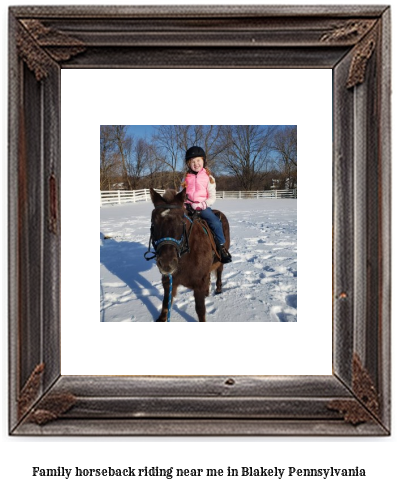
201,194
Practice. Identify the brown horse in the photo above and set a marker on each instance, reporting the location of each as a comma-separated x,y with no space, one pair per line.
183,250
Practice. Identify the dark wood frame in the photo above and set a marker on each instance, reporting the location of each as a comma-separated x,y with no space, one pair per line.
353,41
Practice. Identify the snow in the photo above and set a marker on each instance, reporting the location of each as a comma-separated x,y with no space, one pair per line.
260,285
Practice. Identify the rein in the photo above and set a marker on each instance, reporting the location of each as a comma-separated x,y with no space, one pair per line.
170,296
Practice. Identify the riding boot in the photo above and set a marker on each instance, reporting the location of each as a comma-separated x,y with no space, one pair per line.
225,256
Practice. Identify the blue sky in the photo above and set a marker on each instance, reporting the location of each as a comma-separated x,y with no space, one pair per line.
145,131
141,131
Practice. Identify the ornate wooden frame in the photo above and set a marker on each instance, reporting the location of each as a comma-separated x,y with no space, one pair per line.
353,41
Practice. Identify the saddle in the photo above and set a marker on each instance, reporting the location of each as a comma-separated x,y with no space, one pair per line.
194,215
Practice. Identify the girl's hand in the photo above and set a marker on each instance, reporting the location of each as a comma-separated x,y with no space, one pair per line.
200,206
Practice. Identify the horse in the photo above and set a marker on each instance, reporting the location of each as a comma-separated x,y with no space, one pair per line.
183,251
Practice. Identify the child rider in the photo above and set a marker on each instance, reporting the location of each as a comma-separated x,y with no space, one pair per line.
201,194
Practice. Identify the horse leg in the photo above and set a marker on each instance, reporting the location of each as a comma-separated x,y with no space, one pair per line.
164,312
199,296
219,279
208,286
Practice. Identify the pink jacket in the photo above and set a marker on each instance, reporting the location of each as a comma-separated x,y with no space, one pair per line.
200,188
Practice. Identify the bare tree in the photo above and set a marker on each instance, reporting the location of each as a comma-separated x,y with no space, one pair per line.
285,147
154,170
137,155
168,150
108,163
121,142
205,136
245,152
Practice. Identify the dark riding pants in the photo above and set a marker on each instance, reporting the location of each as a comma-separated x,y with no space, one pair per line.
214,223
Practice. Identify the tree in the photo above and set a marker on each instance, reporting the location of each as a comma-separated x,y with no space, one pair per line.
123,158
244,152
122,143
205,136
285,146
108,162
138,157
168,150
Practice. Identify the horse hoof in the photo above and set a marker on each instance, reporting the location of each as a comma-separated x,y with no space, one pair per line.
217,292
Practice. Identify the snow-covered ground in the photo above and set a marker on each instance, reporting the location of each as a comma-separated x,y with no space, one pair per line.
259,285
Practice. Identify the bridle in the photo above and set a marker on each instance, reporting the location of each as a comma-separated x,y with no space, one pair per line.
181,244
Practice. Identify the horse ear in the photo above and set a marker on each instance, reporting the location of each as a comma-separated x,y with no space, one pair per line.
156,197
180,197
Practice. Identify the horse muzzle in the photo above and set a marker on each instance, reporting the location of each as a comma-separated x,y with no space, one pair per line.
167,268
168,261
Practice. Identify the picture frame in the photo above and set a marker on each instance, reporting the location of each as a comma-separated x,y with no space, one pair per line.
353,42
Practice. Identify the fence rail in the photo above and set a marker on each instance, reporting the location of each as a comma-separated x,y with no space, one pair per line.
258,194
125,196
119,197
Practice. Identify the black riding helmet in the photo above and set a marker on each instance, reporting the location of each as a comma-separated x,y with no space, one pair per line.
193,152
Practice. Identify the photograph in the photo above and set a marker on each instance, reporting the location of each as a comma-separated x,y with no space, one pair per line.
230,230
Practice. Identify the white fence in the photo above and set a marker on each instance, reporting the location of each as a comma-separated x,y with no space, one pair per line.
257,194
127,196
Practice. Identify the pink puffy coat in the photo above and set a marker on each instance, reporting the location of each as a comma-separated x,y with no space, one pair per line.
200,189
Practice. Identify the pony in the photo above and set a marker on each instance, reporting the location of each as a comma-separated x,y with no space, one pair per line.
183,250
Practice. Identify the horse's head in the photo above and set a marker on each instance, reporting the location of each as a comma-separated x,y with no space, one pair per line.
168,229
